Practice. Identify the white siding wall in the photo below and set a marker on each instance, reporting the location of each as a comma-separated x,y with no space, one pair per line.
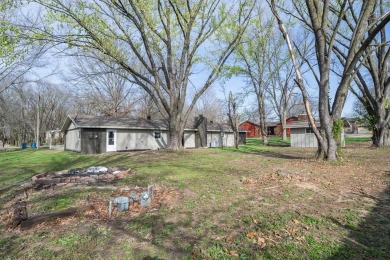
189,140
71,126
72,141
214,138
303,140
140,140
299,138
228,139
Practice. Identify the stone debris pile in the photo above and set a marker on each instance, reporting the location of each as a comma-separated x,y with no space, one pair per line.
79,176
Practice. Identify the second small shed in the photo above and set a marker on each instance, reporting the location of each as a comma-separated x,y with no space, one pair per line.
302,134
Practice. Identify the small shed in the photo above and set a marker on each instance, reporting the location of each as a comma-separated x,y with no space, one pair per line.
99,134
302,134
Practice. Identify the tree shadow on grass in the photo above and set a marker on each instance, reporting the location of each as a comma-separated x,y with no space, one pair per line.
371,238
288,153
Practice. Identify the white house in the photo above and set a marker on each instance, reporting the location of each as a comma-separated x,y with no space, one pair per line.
97,134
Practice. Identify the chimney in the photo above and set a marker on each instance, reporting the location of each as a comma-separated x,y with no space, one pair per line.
303,117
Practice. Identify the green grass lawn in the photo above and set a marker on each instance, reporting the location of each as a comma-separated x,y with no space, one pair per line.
350,139
18,165
228,204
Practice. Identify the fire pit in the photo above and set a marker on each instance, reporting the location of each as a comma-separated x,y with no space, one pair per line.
71,177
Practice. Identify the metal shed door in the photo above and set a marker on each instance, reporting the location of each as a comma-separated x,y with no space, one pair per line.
111,140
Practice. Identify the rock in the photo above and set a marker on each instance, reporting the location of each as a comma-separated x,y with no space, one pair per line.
75,171
62,172
44,181
97,169
85,180
56,180
92,180
110,176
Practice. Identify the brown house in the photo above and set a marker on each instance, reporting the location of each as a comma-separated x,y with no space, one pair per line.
273,128
279,130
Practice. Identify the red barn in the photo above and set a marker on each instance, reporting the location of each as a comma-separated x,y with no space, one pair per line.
274,129
252,129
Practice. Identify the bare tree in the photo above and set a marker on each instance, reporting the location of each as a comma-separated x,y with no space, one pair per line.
296,105
146,107
372,81
169,40
104,90
251,63
325,20
282,86
18,55
211,107
19,105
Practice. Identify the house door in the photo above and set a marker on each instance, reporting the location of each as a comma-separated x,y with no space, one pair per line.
111,140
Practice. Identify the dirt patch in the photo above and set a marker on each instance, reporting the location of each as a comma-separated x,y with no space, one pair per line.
95,203
262,202
161,196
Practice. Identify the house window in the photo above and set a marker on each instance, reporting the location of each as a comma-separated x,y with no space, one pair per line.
111,138
79,135
157,134
309,130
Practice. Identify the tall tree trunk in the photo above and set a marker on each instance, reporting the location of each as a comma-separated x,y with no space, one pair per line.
380,134
235,131
263,127
176,131
263,118
233,119
283,123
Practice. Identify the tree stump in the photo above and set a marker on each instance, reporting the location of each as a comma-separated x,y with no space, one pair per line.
20,213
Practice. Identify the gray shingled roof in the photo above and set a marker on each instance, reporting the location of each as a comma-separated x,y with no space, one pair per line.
301,124
87,121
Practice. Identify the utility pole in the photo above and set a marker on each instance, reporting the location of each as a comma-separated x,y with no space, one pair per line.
37,137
